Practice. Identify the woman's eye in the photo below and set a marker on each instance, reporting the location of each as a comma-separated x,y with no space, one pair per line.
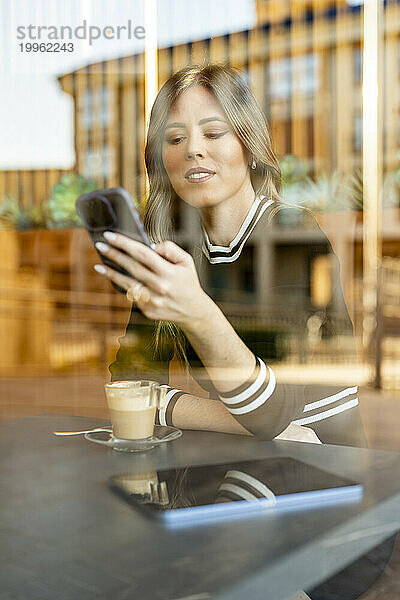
211,135
175,140
215,134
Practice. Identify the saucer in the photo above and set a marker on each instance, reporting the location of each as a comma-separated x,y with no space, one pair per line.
161,434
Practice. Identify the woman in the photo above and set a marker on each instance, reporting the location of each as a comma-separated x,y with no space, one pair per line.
208,145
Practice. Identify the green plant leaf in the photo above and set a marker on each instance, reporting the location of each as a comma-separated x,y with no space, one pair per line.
61,204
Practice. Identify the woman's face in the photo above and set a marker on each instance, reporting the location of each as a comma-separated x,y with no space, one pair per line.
204,159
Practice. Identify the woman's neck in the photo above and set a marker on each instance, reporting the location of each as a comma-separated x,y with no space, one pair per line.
223,221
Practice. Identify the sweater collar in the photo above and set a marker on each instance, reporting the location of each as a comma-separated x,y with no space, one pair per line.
225,254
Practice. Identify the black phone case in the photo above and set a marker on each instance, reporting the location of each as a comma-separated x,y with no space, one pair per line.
111,210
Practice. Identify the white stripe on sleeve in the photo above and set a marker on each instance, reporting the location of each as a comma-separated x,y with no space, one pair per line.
260,400
252,389
327,413
255,483
231,487
162,411
330,399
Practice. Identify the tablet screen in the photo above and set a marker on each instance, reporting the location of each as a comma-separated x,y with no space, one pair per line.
196,493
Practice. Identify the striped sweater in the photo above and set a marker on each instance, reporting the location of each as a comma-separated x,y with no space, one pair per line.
264,405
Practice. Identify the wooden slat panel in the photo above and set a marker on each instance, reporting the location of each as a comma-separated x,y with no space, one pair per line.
2,185
238,49
12,183
180,57
300,37
53,178
140,127
26,193
218,51
278,104
344,101
164,65
88,81
111,81
103,94
129,119
350,33
30,187
81,137
257,47
279,131
200,54
39,187
352,24
322,96
96,129
391,90
119,126
274,11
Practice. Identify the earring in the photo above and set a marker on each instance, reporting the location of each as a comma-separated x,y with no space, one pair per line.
253,164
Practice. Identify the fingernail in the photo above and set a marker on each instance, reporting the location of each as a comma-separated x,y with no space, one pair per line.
100,269
110,236
153,246
102,247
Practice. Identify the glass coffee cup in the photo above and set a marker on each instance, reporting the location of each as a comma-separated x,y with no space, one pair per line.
145,487
133,406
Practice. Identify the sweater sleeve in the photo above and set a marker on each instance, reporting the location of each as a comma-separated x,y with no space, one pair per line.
333,413
263,405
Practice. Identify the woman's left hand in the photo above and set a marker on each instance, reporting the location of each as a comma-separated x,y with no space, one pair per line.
171,289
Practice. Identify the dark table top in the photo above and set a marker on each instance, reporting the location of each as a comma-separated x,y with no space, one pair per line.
66,535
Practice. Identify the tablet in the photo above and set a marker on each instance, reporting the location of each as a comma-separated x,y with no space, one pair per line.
196,494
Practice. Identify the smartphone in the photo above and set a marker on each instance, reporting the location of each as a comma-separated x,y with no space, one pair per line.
111,210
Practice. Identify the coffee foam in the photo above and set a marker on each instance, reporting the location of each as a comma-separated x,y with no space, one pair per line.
123,384
129,399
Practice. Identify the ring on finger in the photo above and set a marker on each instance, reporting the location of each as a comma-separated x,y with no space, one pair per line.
137,291
133,293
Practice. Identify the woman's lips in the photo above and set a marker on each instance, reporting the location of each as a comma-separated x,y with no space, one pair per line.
199,177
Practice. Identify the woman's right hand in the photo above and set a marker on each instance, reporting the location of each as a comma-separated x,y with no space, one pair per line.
168,288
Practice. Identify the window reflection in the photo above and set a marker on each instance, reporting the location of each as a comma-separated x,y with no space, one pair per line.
304,63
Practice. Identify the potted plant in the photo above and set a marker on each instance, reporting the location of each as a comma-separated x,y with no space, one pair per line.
41,237
61,204
13,216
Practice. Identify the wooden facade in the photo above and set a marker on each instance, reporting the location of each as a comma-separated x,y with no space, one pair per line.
303,61
31,187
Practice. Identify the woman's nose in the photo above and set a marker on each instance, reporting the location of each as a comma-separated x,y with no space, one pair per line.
195,154
195,147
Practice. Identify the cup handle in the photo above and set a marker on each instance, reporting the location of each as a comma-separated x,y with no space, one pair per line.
158,396
159,493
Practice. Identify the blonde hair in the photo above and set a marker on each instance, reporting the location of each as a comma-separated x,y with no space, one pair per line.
247,121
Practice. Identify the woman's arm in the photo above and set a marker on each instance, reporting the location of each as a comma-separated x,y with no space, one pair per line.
191,412
169,290
227,359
